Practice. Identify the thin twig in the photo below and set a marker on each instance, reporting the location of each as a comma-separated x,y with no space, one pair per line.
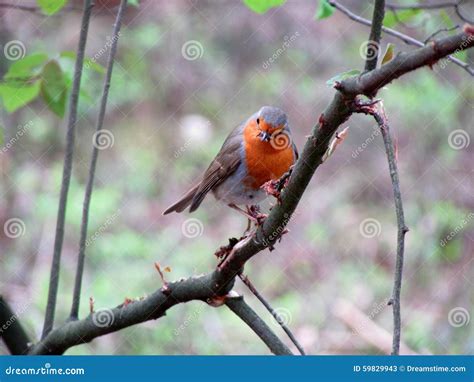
405,38
446,4
246,313
377,111
95,153
373,44
435,33
70,135
267,305
33,9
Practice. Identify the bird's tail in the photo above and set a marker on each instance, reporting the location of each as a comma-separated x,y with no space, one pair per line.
183,202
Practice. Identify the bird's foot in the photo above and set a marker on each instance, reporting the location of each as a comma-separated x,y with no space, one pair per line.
255,215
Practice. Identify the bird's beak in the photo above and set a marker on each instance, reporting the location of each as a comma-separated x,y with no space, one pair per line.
264,136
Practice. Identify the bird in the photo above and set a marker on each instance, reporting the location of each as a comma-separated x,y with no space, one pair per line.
255,152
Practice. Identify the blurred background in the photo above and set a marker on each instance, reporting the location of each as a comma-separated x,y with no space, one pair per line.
186,73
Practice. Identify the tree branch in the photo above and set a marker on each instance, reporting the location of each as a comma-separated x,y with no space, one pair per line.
93,164
70,135
267,305
220,282
369,83
445,4
373,44
405,38
377,111
11,331
241,309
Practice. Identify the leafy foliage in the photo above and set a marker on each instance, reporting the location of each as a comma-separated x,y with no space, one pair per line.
263,6
325,10
50,7
37,75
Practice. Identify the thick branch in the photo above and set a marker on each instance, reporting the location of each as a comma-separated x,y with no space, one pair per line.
369,83
445,4
11,331
95,154
373,45
221,280
241,309
405,38
67,170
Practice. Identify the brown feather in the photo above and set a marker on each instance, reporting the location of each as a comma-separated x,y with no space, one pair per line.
183,202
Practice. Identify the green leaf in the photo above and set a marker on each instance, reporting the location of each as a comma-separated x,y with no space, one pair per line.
342,76
50,7
24,67
324,10
15,97
446,19
393,18
134,3
262,6
389,53
2,139
54,88
89,63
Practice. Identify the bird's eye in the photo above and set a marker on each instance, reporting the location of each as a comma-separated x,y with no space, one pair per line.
258,121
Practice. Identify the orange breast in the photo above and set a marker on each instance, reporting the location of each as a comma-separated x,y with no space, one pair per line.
266,160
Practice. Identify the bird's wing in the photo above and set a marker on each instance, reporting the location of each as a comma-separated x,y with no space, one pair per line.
225,164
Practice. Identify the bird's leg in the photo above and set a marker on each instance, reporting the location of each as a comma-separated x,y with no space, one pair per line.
252,213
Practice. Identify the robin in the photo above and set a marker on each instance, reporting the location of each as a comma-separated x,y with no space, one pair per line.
255,152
